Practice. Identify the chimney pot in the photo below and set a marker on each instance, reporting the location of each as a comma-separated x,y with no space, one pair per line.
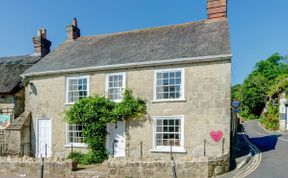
74,22
44,35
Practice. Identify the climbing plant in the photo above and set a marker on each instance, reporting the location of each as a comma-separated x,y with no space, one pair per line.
95,112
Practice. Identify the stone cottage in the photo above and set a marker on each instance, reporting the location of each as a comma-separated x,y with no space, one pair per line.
183,72
12,94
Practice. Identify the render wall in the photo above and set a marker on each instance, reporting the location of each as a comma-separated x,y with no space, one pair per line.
283,103
206,108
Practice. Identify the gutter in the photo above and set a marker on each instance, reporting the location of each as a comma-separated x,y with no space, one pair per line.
134,65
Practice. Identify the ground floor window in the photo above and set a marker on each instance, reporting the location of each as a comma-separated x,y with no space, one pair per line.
74,135
168,132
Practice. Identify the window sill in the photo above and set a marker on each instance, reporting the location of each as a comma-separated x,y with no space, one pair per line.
76,145
167,150
68,104
169,100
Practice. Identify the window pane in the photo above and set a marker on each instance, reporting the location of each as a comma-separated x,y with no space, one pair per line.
159,122
84,81
171,129
165,82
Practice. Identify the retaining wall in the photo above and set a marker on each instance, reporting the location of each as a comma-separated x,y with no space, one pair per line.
199,167
14,165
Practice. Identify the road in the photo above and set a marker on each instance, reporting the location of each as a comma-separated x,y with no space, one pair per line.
274,149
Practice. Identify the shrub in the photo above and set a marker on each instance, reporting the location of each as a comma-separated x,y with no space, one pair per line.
270,119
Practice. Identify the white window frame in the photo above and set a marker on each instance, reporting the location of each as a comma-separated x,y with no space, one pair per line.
69,144
182,86
175,149
107,84
67,86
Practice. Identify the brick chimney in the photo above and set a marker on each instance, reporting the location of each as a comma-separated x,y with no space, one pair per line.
216,9
41,44
72,30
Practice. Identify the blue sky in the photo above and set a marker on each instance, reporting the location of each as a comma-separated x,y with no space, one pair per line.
258,28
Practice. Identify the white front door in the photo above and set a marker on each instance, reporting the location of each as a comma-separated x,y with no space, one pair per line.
44,138
116,139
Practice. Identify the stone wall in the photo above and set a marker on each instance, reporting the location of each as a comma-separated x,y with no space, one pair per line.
206,107
156,169
17,135
219,165
14,165
198,167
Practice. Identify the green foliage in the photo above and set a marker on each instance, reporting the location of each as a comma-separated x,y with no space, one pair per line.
281,85
78,156
270,119
86,159
95,112
236,92
255,90
253,96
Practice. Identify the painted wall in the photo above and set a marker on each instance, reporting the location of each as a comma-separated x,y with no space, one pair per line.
206,108
283,104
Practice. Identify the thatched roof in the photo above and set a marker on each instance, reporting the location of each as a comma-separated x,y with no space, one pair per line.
195,39
10,70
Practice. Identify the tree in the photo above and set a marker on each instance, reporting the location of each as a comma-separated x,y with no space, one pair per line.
255,88
236,92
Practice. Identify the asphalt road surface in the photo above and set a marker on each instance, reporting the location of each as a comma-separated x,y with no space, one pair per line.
274,149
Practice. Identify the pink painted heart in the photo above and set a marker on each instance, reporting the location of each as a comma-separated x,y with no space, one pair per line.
216,135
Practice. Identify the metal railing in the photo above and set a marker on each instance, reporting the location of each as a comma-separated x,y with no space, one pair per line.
216,144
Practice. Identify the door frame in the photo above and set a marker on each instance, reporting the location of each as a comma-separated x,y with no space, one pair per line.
108,138
37,134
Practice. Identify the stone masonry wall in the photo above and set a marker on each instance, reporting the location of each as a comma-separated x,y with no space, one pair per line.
14,165
201,167
157,169
206,107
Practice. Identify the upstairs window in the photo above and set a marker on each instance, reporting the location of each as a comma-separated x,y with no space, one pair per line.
76,89
169,84
115,86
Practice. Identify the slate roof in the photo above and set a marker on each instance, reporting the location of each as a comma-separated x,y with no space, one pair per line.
10,70
203,38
